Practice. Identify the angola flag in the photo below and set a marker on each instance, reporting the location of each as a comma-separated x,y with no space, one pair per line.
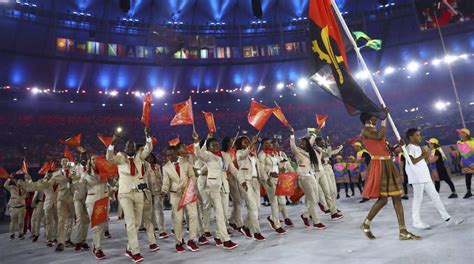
68,154
4,173
286,184
329,65
184,113
191,149
321,120
72,141
211,125
258,115
175,141
45,168
100,212
297,195
189,195
279,114
146,110
106,168
105,140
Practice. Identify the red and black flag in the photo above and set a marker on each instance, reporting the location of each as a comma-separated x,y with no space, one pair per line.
329,66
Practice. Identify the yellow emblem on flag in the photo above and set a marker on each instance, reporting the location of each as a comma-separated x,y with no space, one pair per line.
329,57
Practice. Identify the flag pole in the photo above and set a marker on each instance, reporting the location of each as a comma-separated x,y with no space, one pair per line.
453,82
191,101
371,78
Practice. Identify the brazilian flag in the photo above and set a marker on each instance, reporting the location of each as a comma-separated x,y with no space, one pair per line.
329,67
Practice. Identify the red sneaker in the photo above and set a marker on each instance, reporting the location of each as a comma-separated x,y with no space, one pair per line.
128,253
272,224
258,237
12,237
154,248
229,232
247,232
207,234
327,212
321,207
288,222
99,255
337,216
280,231
85,246
319,226
21,237
305,221
203,240
137,258
107,234
218,242
49,244
192,246
163,235
230,245
234,226
77,248
35,238
180,248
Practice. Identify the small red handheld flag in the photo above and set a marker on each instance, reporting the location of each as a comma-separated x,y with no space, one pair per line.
279,114
286,184
211,125
68,154
100,212
72,141
105,140
146,110
175,141
4,173
189,196
297,195
321,120
184,113
106,168
191,149
258,115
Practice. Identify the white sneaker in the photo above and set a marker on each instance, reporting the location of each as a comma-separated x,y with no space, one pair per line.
453,221
420,225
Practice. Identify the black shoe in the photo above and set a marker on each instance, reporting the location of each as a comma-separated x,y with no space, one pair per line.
467,195
59,248
363,200
338,196
404,197
453,195
347,195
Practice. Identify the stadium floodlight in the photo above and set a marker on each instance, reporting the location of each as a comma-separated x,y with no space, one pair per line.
247,88
303,83
261,87
113,93
413,66
436,62
441,105
280,86
449,59
463,56
389,70
159,93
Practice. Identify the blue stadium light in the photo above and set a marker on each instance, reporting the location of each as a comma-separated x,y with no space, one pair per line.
303,83
389,70
413,66
247,88
280,86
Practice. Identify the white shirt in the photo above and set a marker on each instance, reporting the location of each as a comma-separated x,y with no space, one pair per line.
274,164
419,172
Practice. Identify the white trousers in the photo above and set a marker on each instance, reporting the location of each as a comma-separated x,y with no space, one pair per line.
430,189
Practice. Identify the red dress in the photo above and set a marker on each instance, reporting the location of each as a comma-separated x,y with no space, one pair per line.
383,177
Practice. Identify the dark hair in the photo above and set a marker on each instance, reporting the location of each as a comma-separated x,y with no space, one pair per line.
312,154
318,140
138,146
266,139
180,144
201,143
410,132
155,160
226,143
238,142
210,140
364,117
172,148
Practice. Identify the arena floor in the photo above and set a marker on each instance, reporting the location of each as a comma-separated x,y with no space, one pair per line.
342,242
